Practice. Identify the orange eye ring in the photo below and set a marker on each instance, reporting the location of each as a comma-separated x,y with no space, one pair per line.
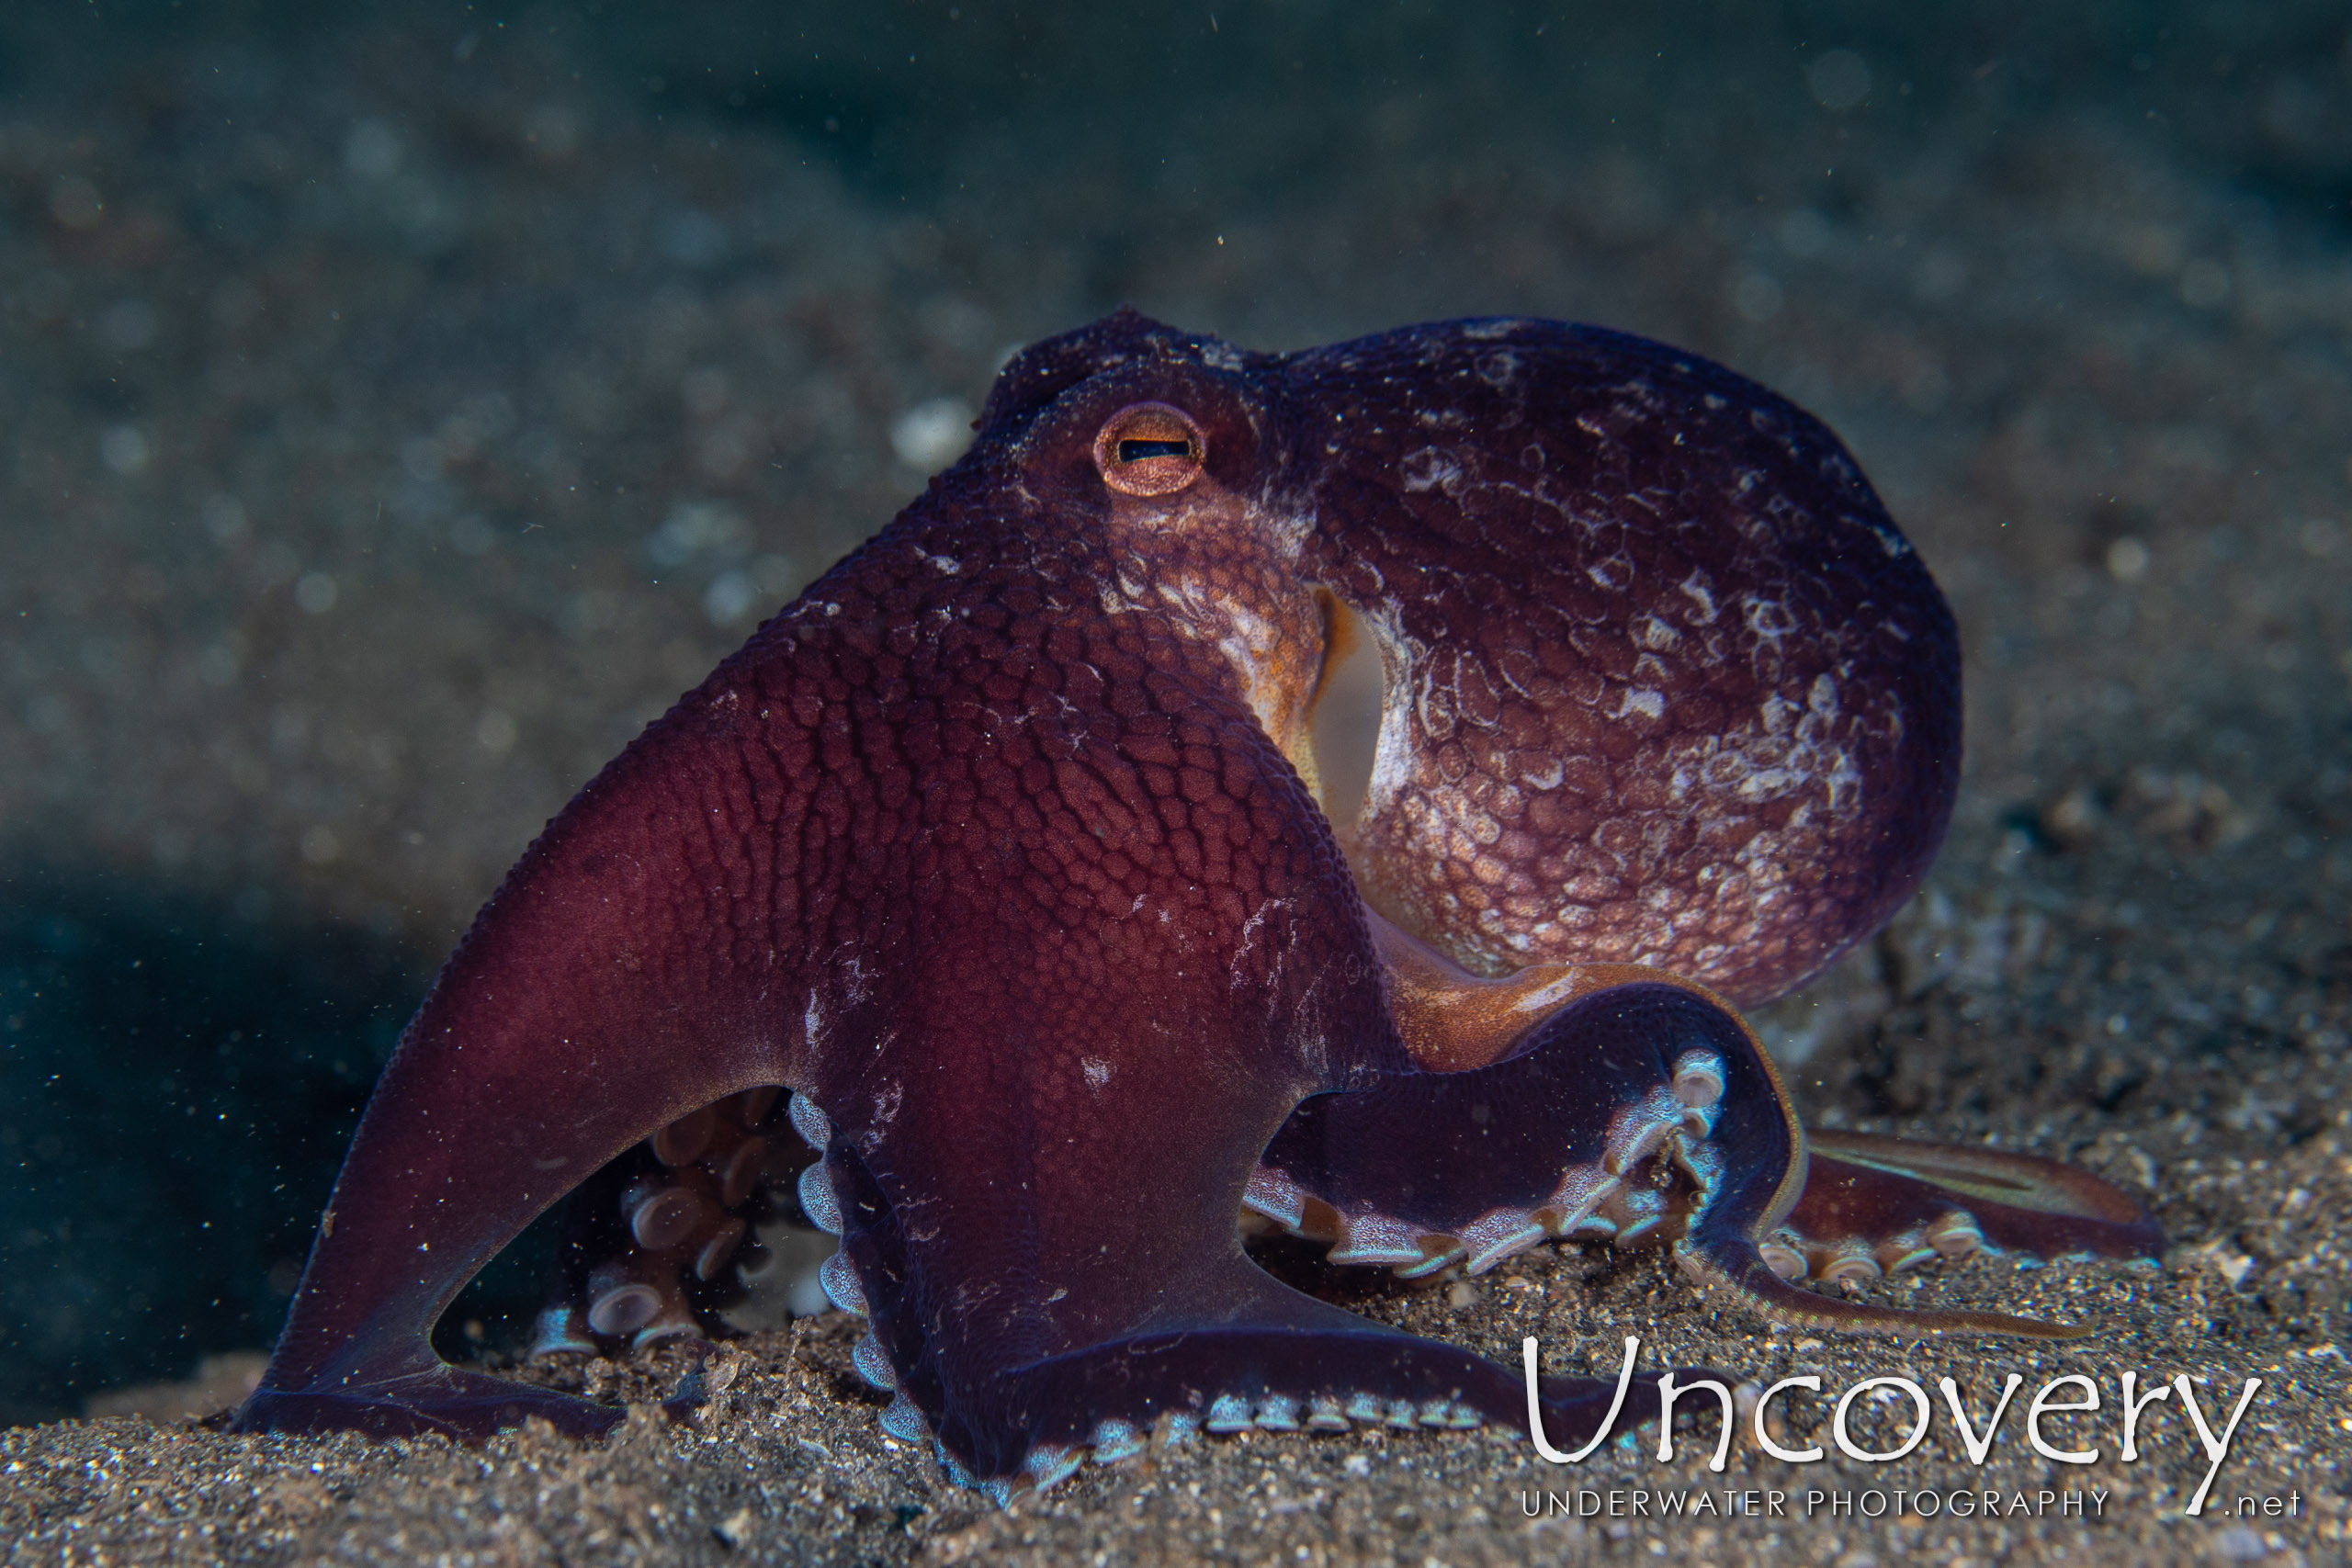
1150,449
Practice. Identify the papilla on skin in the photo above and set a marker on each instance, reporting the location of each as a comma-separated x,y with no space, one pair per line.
1978,1444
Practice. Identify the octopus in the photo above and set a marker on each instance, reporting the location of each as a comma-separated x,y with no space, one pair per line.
1013,877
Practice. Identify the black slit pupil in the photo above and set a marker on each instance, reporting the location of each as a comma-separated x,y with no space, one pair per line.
1136,451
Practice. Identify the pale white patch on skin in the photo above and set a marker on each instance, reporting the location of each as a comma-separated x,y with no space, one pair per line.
1545,777
1700,590
1249,641
1288,531
1641,700
1429,468
1249,937
1473,701
1769,622
1096,1070
1550,994
1393,759
1499,369
1788,749
1434,705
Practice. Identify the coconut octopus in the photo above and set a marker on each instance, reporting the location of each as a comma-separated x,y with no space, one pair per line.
999,868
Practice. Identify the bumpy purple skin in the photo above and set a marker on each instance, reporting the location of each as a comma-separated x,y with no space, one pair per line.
1679,692
982,848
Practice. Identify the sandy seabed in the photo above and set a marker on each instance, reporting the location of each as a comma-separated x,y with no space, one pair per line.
398,423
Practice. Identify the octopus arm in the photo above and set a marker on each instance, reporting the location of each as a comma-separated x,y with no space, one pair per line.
597,997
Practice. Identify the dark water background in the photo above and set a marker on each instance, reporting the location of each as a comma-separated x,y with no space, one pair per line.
399,404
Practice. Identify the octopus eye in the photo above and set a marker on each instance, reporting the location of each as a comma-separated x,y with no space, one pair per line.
1150,449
